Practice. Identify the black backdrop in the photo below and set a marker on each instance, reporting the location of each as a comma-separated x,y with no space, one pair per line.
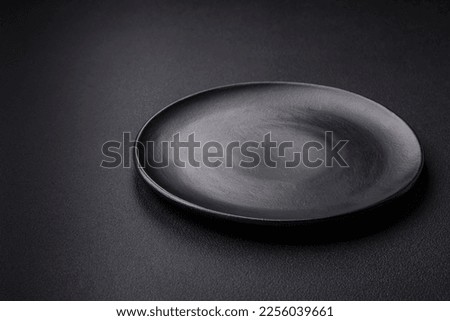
74,75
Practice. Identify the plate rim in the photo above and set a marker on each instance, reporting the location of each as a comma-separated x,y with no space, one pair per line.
236,217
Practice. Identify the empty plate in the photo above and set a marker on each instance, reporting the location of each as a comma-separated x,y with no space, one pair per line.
278,152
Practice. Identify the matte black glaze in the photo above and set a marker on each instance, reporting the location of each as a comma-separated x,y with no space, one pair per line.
383,154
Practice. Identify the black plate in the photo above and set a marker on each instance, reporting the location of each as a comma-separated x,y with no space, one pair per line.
381,159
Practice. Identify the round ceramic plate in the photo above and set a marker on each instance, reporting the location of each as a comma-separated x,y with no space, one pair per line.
278,152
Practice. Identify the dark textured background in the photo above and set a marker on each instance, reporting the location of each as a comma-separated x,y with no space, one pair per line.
75,75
